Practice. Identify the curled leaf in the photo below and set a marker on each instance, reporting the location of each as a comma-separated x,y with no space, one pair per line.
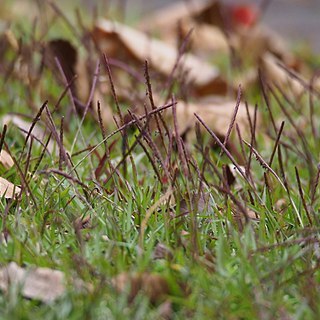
8,189
122,42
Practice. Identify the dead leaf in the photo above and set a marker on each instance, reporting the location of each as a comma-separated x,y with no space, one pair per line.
165,310
184,233
240,219
277,75
210,21
233,175
120,41
38,132
83,223
228,175
154,286
217,114
66,54
248,78
72,65
281,205
181,17
260,40
12,40
253,215
198,202
6,160
8,189
161,251
165,19
43,284
215,13
205,38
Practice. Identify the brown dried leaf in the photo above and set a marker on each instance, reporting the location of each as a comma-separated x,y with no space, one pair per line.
8,189
233,175
260,40
281,205
228,175
199,203
213,12
277,75
253,215
43,284
216,113
176,20
240,219
154,286
205,37
120,41
210,20
165,310
161,251
12,40
38,132
83,223
6,160
71,64
66,54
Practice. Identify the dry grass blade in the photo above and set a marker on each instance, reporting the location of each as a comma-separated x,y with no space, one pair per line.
315,186
120,129
253,136
302,197
276,143
233,119
113,90
38,133
263,163
222,146
285,184
35,120
150,211
3,134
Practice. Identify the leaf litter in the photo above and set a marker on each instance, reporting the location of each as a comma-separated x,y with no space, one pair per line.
6,160
124,46
43,284
8,190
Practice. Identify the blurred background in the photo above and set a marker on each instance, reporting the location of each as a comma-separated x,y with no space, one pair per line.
296,20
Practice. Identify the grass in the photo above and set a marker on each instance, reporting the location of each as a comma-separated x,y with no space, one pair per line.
82,216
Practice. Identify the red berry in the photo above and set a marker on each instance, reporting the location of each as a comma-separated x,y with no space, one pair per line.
244,15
